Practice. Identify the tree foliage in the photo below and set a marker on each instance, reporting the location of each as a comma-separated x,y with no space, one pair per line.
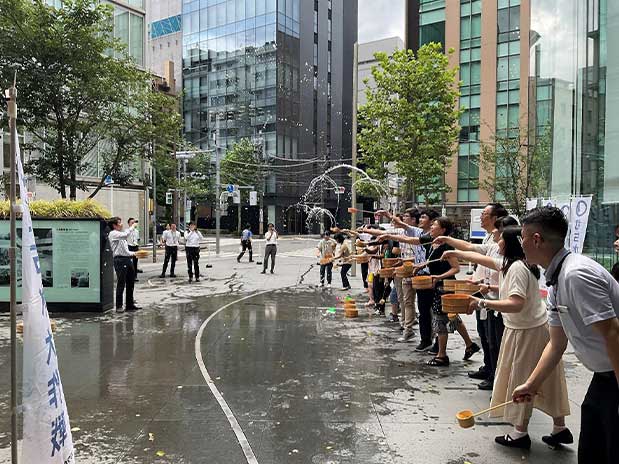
78,90
244,165
521,165
411,118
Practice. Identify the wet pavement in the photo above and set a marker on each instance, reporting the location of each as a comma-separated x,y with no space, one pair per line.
304,386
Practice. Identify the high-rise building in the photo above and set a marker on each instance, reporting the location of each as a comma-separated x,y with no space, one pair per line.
490,40
367,62
165,40
574,95
278,72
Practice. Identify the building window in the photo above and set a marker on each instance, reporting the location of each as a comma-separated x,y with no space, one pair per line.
508,24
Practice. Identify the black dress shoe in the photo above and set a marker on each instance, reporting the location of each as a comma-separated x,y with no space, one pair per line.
506,440
139,271
480,374
172,275
486,385
564,437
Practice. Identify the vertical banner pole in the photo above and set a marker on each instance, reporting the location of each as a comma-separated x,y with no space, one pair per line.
12,106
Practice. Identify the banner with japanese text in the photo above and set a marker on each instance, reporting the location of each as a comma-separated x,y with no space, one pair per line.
566,207
47,434
579,219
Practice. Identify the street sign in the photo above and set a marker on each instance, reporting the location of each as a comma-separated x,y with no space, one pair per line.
253,198
230,188
477,231
108,181
168,198
236,197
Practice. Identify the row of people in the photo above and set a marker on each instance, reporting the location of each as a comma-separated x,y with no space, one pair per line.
523,339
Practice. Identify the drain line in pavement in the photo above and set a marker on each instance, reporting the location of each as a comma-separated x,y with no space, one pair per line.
242,439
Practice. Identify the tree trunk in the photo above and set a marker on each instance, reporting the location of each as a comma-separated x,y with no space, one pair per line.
72,187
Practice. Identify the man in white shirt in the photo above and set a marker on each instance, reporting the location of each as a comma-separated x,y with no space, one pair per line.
170,238
123,264
193,238
583,301
133,241
270,250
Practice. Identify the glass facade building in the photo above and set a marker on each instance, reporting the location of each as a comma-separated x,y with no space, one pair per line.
574,82
275,71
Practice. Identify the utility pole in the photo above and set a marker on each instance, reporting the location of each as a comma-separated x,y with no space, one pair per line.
262,187
11,95
154,210
353,188
217,189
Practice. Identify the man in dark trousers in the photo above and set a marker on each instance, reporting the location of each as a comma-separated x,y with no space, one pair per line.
246,237
133,241
583,302
171,239
123,264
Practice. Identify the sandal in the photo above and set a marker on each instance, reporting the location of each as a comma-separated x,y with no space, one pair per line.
470,351
439,362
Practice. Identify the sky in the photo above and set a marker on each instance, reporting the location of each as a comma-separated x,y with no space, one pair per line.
379,19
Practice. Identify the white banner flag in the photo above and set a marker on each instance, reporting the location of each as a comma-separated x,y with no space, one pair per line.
566,207
549,202
47,434
579,212
531,203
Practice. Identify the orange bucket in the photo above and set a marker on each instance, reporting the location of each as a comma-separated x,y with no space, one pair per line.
422,283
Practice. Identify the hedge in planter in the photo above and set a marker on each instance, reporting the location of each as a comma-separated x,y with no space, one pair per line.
57,209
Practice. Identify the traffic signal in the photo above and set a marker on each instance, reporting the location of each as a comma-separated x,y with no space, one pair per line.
168,198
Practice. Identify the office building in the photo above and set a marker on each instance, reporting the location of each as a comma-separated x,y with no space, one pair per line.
278,72
574,82
367,62
164,43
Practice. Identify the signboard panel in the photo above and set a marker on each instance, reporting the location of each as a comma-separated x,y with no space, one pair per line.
477,231
69,254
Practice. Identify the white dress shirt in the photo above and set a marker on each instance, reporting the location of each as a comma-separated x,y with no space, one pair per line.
193,239
133,237
271,237
171,238
118,242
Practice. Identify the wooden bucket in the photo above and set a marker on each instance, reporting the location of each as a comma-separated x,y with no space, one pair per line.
449,285
363,259
422,283
456,303
141,254
390,262
387,272
466,288
404,271
324,261
351,312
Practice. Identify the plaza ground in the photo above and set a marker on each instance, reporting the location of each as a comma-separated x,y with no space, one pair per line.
304,386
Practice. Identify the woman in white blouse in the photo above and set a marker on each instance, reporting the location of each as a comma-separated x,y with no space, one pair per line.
271,248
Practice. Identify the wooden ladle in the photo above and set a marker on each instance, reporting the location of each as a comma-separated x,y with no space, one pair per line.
466,418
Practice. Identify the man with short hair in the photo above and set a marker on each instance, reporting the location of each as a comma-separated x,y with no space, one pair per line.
123,264
325,250
246,237
583,302
171,239
489,215
133,242
193,239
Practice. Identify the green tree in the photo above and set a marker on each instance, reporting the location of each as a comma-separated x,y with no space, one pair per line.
520,167
70,88
411,118
244,165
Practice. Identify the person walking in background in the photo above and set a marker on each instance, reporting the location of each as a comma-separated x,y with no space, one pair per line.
325,251
193,237
343,254
133,241
246,237
170,239
270,250
123,264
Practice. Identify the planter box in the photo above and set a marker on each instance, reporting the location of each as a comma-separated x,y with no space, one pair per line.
76,264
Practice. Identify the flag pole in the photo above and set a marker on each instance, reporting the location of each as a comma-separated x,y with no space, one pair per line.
11,95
